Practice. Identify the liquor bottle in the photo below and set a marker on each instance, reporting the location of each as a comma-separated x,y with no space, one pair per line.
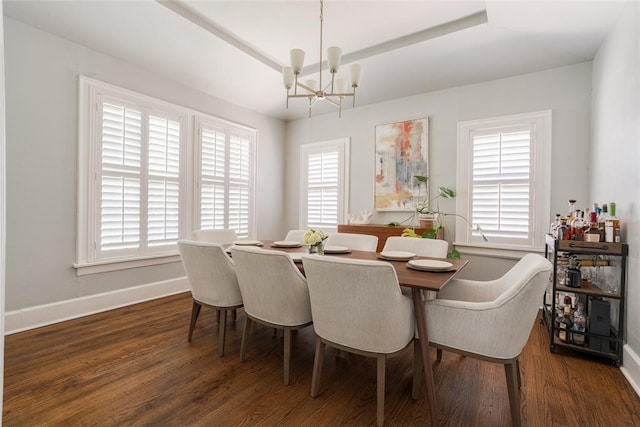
565,325
602,218
579,324
553,229
593,234
612,225
577,228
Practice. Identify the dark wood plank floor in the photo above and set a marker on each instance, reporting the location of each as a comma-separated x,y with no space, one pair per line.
134,366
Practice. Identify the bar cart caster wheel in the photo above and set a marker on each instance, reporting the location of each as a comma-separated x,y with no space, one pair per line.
617,363
552,348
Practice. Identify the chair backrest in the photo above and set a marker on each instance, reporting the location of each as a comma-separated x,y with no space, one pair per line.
211,273
422,247
220,236
295,235
272,287
503,323
358,242
358,303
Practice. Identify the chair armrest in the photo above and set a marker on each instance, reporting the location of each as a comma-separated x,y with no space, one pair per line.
468,290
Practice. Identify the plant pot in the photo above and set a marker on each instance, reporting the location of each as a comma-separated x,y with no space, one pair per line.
428,220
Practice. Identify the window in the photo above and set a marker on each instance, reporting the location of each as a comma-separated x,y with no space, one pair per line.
225,158
138,192
504,181
324,184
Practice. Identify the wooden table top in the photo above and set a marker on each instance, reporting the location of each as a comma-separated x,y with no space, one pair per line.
427,280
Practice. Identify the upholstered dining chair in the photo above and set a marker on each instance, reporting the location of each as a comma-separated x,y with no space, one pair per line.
358,307
491,320
358,242
422,247
221,236
274,292
295,235
212,278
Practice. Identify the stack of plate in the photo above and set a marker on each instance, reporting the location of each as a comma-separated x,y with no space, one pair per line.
286,244
247,242
329,249
429,265
397,255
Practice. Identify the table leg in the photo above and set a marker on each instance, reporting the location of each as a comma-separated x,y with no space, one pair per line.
421,324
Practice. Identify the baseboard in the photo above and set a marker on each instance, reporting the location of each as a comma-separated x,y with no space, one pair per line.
47,314
631,367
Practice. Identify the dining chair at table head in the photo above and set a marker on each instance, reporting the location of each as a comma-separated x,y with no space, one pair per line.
358,307
295,235
491,320
357,242
220,236
274,292
213,282
434,248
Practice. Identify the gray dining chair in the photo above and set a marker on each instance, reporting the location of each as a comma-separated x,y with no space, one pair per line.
422,247
295,235
221,236
358,307
490,320
357,242
274,292
213,282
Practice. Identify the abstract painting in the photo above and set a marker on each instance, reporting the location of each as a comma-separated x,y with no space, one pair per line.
402,152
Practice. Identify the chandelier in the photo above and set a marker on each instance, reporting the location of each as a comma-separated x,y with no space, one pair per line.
334,91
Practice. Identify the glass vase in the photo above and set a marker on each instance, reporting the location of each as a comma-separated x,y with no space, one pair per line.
317,248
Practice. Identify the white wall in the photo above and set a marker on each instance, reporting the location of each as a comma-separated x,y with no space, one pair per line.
615,152
566,91
42,121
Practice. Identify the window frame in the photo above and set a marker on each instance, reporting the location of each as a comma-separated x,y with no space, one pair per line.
540,125
89,160
342,145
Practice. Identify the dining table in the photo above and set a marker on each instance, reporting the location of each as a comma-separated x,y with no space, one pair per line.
416,280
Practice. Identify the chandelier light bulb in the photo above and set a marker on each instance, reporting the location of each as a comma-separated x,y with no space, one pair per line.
297,60
333,58
287,77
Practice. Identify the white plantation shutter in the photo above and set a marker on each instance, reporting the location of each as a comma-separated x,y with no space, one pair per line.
139,200
120,184
225,158
324,191
504,181
501,181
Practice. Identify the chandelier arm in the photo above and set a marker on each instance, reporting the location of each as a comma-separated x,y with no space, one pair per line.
330,84
331,101
304,86
320,63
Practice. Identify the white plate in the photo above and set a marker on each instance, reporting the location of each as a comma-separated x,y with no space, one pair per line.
397,255
330,249
248,242
430,265
297,257
286,244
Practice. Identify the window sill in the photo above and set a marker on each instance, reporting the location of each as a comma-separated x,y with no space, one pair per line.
496,251
83,269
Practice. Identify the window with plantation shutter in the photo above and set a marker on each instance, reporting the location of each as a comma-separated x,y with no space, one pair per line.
225,176
151,172
503,181
323,187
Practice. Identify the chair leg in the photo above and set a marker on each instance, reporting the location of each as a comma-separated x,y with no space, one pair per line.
245,336
287,354
438,355
512,388
317,367
222,334
195,311
382,360
235,314
217,315
417,370
519,376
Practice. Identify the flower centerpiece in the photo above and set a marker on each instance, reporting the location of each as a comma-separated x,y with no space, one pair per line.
315,239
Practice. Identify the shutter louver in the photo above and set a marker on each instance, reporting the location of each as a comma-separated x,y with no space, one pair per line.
501,184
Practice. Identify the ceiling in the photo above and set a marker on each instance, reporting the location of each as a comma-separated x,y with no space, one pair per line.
234,50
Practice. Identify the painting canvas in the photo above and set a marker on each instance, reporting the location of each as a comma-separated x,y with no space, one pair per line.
401,153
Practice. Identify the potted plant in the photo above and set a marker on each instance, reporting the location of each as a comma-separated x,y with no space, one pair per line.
432,218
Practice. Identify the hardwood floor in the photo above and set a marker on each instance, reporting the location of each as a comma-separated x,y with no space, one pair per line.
134,366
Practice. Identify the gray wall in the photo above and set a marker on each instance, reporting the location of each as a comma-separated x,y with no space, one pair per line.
615,147
42,127
566,91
